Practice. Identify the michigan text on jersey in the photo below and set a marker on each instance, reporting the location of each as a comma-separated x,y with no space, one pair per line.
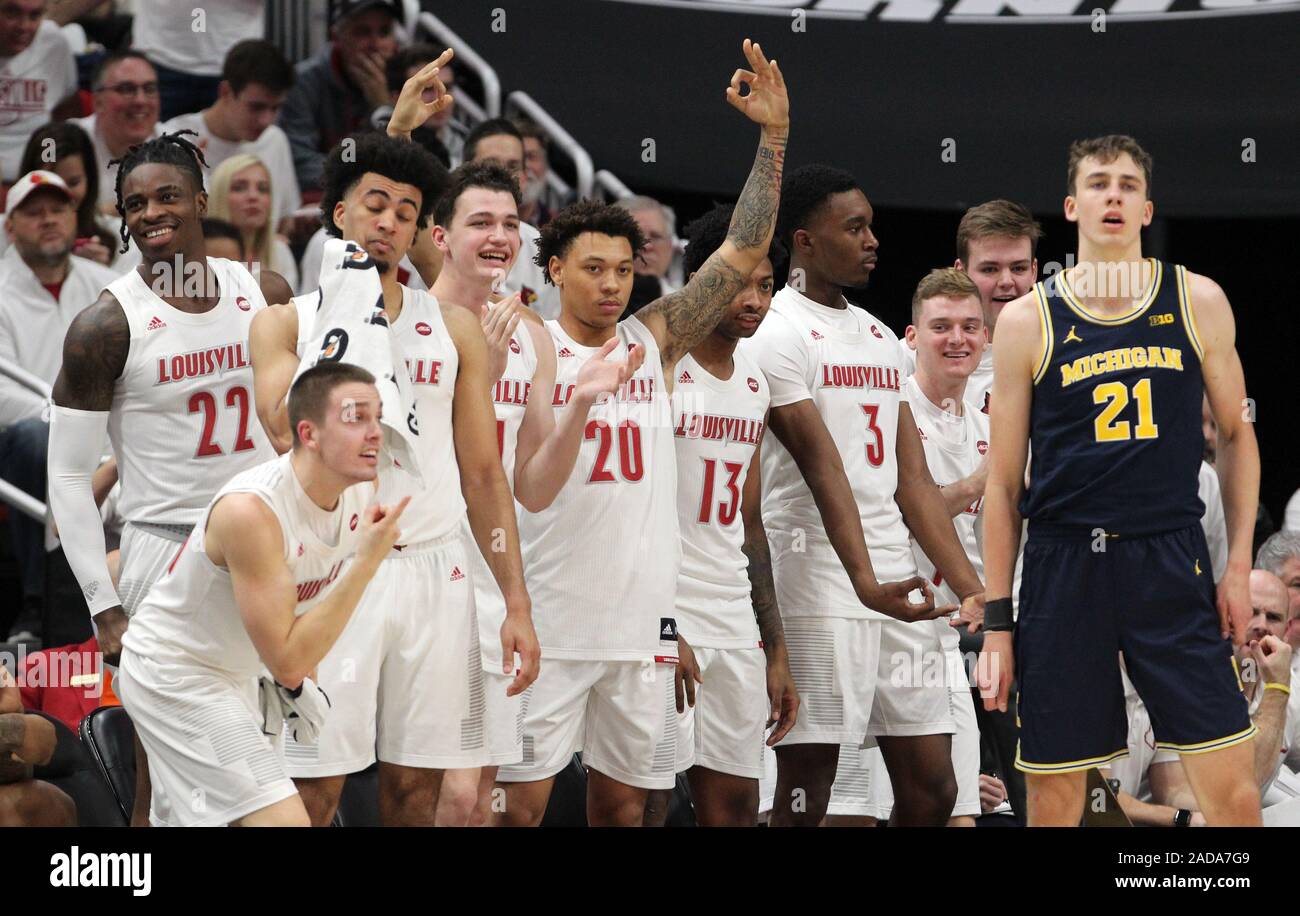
1086,367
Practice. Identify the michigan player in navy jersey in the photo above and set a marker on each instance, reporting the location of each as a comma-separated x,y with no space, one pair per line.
1102,368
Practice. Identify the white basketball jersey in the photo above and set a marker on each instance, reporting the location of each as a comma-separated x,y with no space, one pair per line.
718,426
509,399
954,447
432,360
602,560
848,362
190,617
183,420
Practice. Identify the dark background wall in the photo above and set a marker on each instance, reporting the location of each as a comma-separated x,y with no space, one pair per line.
882,97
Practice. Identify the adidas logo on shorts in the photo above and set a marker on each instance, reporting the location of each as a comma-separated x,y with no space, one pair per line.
456,574
155,324
565,351
684,378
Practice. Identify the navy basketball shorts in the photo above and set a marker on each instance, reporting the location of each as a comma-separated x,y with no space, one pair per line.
1151,598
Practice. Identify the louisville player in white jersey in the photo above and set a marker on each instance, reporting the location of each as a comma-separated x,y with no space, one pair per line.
406,678
997,243
161,363
726,603
476,227
846,471
264,582
948,336
603,559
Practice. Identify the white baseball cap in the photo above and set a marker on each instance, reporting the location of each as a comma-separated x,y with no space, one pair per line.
33,181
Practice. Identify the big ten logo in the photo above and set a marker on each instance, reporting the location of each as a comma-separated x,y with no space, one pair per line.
198,800
1166,318
348,671
917,668
498,540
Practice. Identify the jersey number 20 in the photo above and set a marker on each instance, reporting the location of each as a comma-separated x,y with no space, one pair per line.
629,451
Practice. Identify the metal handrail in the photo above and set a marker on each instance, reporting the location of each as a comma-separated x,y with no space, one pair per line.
559,136
25,378
469,105
23,502
470,58
610,183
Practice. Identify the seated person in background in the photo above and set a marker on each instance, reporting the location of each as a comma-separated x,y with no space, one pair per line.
659,228
223,239
125,89
1280,555
67,683
255,78
241,193
45,286
40,75
540,203
27,741
1153,788
74,162
336,91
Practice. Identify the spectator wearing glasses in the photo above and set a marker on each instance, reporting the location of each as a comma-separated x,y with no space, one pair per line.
659,229
126,114
39,75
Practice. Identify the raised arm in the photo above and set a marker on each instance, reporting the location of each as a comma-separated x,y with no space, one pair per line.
1238,454
1020,342
273,345
487,495
94,355
682,319
244,536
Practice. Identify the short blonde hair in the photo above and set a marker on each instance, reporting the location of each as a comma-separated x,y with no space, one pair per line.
943,281
258,248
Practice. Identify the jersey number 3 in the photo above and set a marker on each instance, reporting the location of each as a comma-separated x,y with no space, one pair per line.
1115,396
205,403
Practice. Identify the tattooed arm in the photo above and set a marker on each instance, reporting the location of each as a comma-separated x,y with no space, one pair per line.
781,692
681,320
94,355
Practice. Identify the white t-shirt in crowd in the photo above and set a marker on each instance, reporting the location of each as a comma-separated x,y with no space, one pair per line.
32,84
103,156
1213,521
1291,520
33,325
272,147
170,34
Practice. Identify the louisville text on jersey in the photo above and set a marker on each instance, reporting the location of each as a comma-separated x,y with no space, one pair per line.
199,363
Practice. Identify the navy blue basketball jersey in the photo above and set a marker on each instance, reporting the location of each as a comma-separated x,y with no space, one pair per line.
1115,423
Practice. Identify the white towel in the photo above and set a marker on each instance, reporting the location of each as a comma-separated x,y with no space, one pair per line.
301,712
351,326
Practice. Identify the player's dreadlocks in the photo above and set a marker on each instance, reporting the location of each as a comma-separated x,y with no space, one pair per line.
169,149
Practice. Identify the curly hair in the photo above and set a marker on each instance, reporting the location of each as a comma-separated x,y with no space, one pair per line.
804,192
580,217
705,236
397,160
167,149
487,175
